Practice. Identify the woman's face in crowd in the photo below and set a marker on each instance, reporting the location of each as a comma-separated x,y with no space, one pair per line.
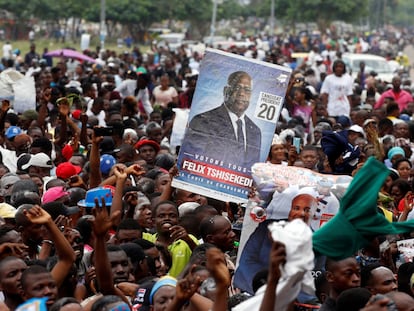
163,297
278,153
397,194
404,169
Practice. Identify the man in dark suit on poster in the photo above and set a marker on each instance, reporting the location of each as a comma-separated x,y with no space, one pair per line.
226,133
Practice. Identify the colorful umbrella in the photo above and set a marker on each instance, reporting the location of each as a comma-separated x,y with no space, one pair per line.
70,54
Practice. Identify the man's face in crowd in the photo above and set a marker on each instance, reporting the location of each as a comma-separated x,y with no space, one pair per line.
128,235
309,158
156,117
237,95
154,253
223,236
75,240
344,275
142,212
166,216
302,207
35,133
119,265
10,275
187,196
162,181
401,130
147,153
33,234
382,281
41,285
396,83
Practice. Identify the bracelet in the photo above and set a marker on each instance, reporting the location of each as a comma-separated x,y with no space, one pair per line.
47,242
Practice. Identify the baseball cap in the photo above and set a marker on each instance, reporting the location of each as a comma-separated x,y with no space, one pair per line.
67,152
187,207
107,145
13,131
66,170
107,162
39,159
29,115
357,129
76,114
53,194
98,193
23,159
7,210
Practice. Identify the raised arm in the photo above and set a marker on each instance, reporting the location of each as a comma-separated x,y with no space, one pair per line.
277,258
66,255
116,206
102,223
95,176
219,271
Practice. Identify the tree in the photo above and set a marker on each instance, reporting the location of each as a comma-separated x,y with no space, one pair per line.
136,15
199,13
323,12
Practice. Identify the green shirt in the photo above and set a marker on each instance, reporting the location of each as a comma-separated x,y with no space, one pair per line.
180,252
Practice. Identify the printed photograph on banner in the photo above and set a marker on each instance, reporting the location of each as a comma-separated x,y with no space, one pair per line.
236,105
283,193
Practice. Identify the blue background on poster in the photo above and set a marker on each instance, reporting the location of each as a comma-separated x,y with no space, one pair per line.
215,69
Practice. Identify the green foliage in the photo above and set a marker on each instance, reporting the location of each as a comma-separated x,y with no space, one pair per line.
321,11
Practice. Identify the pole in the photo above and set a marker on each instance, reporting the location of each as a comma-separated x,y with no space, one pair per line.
213,21
272,17
102,27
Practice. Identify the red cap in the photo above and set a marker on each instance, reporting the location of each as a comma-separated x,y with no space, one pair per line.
76,114
66,170
144,142
67,152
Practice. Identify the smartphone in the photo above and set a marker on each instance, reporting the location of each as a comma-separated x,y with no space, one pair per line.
104,131
296,143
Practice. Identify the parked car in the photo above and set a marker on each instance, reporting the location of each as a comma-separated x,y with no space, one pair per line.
372,63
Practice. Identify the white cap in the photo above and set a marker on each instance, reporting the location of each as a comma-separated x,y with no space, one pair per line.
357,129
39,159
187,207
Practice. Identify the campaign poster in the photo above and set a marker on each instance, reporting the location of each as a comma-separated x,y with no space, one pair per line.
236,105
278,189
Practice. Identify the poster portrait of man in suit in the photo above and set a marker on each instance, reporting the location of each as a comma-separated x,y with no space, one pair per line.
227,125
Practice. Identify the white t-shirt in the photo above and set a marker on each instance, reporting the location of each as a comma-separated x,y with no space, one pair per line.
127,88
7,50
338,88
162,98
143,96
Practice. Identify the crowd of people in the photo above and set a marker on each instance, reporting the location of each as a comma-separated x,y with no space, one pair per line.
90,221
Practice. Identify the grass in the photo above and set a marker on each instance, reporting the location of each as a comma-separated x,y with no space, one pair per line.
51,44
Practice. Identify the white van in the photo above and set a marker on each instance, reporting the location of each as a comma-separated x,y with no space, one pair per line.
173,40
372,63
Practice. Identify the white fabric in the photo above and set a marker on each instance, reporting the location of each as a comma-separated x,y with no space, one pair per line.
127,88
338,90
143,96
295,275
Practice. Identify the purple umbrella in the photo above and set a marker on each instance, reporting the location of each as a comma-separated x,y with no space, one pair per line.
70,54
